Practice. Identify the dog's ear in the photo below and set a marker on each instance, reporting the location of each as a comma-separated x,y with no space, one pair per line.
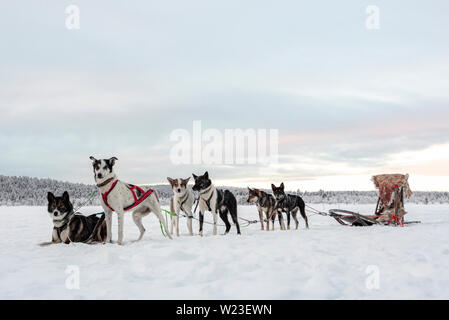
170,180
206,175
92,158
194,176
282,186
112,161
50,197
273,187
249,189
65,197
185,181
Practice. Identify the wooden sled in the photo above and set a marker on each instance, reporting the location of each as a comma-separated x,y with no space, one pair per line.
349,218
393,188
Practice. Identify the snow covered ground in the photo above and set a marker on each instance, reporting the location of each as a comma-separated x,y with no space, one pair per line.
328,261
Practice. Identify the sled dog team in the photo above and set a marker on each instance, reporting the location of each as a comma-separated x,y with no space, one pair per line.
140,201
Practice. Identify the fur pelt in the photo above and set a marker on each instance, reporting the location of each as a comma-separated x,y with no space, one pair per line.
385,183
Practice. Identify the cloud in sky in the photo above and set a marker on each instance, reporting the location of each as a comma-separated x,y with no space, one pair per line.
348,102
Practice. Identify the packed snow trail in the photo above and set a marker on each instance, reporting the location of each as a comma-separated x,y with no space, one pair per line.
329,261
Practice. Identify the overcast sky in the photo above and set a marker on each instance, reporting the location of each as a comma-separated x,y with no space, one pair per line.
348,102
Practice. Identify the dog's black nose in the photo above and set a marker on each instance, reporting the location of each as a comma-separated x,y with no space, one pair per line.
99,176
179,190
56,213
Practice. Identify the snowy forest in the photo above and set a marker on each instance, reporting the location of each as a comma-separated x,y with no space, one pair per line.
26,191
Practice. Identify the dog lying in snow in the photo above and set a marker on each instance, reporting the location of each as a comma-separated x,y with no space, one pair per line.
122,197
182,201
214,200
71,227
289,204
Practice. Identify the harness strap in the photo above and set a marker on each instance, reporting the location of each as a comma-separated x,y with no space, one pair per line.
208,201
186,196
197,200
106,194
265,199
137,200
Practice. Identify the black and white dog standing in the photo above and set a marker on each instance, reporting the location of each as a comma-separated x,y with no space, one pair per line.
123,197
289,204
70,227
214,200
182,201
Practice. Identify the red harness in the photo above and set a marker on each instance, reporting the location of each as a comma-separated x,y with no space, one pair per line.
131,188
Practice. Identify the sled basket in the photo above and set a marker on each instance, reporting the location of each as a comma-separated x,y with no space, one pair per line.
349,218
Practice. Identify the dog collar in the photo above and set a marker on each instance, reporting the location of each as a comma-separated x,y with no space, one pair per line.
184,197
207,190
104,183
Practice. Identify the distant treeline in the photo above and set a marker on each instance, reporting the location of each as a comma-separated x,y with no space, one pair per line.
18,191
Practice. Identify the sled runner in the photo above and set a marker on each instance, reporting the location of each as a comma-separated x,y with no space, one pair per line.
393,189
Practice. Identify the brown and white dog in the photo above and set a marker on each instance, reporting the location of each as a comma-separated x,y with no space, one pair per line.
182,201
265,203
123,197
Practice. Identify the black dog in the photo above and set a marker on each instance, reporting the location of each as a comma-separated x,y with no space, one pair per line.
289,203
70,227
214,200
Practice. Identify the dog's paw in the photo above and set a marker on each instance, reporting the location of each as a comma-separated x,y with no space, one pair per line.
200,233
